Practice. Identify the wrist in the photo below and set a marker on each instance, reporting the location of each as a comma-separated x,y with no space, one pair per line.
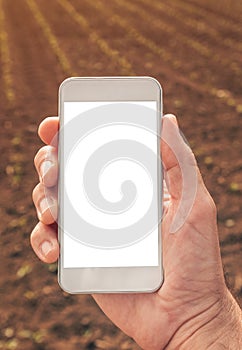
218,328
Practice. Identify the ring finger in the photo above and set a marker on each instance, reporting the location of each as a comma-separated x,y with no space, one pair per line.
45,201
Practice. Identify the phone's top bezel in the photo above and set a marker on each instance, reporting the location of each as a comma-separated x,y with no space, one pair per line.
110,279
110,89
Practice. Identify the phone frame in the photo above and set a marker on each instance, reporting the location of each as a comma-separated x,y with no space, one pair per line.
109,279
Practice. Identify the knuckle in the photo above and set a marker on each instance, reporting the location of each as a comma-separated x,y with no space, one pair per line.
37,192
35,235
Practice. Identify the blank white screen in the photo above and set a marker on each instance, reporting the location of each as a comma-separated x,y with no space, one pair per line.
76,254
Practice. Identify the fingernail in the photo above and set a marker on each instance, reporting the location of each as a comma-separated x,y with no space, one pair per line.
43,205
172,117
45,167
46,247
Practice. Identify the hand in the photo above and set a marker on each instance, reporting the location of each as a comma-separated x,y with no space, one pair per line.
193,309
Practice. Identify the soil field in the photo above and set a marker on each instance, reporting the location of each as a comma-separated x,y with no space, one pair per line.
194,48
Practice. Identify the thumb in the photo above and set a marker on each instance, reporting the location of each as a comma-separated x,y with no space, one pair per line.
181,171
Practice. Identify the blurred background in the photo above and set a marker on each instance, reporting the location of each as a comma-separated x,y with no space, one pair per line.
194,48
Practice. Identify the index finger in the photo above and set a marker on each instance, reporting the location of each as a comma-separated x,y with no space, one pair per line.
48,131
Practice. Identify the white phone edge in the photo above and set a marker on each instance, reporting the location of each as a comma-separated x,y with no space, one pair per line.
146,279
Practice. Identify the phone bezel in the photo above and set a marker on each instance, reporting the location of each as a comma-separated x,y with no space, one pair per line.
109,279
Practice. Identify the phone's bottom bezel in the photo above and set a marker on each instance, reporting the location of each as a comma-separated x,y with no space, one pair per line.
110,279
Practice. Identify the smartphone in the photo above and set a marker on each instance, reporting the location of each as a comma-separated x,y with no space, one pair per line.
110,185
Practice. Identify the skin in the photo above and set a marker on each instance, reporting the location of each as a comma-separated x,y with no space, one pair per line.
193,309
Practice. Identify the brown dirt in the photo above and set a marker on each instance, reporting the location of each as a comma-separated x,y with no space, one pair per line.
194,49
